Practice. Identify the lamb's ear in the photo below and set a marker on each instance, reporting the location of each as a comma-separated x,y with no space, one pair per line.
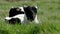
12,7
25,6
36,7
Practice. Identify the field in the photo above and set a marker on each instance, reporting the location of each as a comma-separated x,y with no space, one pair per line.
48,15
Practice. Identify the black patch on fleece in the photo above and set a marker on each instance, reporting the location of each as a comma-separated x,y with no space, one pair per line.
13,12
30,12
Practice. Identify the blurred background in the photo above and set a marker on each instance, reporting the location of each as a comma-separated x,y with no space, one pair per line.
48,15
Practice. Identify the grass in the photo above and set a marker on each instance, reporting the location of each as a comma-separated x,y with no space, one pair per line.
48,14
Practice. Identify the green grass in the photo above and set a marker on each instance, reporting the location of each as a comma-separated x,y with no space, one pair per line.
48,14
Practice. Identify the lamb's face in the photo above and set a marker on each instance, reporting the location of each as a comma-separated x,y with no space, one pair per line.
12,20
21,18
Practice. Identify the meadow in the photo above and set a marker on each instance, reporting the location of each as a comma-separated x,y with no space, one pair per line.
48,15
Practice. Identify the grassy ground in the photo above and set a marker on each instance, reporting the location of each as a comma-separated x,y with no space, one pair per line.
48,14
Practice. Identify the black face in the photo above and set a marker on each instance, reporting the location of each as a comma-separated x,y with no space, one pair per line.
15,11
14,21
30,12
